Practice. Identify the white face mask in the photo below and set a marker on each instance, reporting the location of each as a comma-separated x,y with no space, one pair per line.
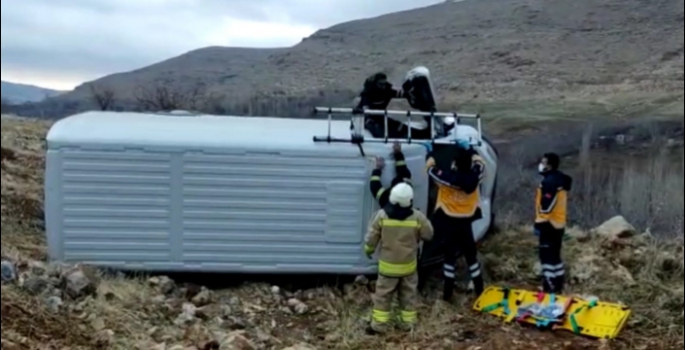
541,168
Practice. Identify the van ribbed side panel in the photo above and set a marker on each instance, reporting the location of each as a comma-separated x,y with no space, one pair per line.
115,207
271,212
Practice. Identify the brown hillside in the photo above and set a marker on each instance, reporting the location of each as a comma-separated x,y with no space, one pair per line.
504,51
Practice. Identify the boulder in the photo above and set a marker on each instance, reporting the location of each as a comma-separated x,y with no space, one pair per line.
616,228
163,284
54,304
361,281
184,320
187,317
158,300
203,298
98,324
212,311
297,306
55,270
9,272
36,285
38,268
79,282
237,341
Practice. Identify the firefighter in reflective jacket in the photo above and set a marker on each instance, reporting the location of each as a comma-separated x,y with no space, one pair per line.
550,223
402,174
457,207
395,232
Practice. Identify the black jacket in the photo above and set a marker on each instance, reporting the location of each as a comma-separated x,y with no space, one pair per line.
402,174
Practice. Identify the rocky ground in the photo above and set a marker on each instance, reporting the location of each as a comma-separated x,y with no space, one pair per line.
51,306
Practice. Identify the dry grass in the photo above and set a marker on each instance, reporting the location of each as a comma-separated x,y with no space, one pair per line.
645,273
22,189
25,321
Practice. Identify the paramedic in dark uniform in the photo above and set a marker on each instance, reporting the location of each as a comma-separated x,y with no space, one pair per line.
377,94
402,175
550,223
456,208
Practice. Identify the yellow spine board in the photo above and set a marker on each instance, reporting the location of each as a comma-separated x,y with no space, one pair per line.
604,320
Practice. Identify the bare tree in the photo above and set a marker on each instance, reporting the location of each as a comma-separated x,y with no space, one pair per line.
167,97
103,97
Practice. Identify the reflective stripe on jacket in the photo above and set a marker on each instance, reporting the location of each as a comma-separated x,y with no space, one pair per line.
551,200
396,235
458,193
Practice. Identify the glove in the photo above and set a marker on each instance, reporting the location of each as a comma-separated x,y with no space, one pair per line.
428,146
463,144
357,110
379,163
369,252
430,162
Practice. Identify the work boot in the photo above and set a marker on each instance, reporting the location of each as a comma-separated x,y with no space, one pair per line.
548,285
478,286
377,328
408,320
407,327
559,285
448,290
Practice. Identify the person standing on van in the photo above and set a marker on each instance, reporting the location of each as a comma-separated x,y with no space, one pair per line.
377,94
456,208
396,231
551,205
402,174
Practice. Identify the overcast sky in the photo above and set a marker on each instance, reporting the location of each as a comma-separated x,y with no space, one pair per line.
62,43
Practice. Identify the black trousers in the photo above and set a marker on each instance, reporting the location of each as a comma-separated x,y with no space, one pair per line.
553,269
458,238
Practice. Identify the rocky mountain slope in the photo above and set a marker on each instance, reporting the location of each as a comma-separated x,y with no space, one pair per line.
500,50
20,93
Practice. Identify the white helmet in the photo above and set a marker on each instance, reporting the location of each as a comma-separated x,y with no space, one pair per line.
402,194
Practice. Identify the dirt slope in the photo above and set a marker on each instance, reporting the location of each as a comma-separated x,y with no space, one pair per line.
502,50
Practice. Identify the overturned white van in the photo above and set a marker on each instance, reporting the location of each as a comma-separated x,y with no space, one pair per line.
151,192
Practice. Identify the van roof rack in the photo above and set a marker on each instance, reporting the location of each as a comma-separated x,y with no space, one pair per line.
356,129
